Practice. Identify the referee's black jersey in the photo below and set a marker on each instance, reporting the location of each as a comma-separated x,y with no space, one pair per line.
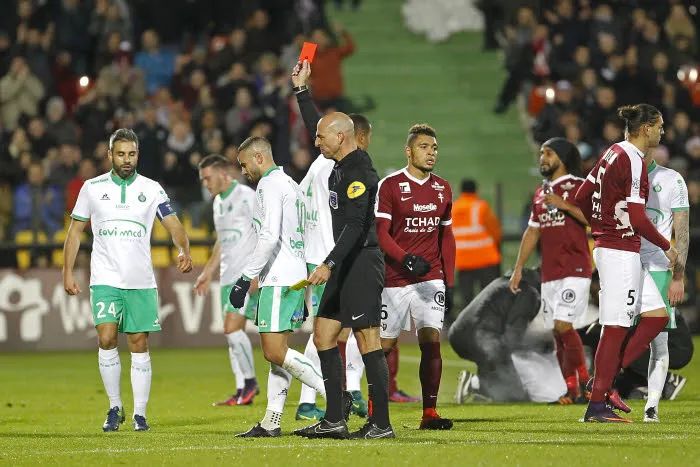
353,192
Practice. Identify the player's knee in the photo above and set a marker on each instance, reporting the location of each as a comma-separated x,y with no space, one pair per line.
560,327
138,343
427,335
322,342
274,355
107,338
233,323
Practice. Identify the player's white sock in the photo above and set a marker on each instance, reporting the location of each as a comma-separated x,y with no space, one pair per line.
140,381
354,366
111,371
236,368
308,394
658,367
277,386
302,369
239,344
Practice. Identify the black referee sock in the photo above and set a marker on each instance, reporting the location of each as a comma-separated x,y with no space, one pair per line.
332,370
378,380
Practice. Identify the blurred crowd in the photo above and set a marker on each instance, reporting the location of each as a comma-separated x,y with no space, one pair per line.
576,61
191,77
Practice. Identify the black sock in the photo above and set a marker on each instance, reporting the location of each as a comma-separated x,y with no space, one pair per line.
378,380
332,370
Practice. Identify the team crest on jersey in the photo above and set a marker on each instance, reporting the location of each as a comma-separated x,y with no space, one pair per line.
567,186
356,189
436,186
568,296
404,187
142,197
657,188
333,199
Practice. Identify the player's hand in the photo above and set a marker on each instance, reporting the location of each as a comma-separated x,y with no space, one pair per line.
449,297
416,265
184,262
515,280
320,275
672,255
70,285
676,291
301,73
238,292
554,200
201,285
253,286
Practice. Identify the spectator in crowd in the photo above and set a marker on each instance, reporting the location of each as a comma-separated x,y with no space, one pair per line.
20,93
299,165
157,63
10,157
329,90
63,169
38,206
242,115
61,129
72,26
39,138
86,171
230,52
152,137
109,18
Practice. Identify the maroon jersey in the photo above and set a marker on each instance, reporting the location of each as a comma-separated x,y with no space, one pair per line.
620,177
564,241
416,209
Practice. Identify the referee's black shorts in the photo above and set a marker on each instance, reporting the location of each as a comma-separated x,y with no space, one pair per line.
353,294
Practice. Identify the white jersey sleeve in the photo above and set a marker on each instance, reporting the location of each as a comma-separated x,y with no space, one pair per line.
81,211
679,196
270,201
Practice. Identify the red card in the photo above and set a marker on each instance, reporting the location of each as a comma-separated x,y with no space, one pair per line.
308,51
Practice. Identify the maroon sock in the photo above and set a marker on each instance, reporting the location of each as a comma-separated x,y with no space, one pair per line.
575,357
392,359
559,346
430,372
341,348
607,361
646,331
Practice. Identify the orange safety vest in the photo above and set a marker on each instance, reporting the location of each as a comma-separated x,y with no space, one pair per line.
477,233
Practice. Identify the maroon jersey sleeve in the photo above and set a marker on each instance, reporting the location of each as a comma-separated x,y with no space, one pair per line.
385,197
448,246
384,214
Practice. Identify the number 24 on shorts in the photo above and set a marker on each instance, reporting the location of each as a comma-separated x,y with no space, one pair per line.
101,312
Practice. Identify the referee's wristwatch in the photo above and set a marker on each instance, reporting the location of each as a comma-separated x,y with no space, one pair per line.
330,264
298,89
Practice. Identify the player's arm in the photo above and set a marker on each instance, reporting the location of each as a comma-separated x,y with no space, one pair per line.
70,252
448,245
583,198
269,232
201,285
355,218
527,245
676,288
566,207
382,212
309,112
177,232
79,219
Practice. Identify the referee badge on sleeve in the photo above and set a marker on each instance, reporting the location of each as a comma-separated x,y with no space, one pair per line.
333,199
356,189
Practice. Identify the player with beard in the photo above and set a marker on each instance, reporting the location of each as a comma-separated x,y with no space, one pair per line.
613,199
414,226
121,206
560,228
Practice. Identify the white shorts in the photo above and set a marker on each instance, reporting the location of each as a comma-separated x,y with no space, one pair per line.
425,302
651,295
564,299
626,288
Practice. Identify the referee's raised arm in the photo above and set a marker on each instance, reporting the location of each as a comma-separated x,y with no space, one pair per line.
309,112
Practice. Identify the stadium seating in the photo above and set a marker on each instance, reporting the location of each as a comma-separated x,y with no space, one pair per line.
26,237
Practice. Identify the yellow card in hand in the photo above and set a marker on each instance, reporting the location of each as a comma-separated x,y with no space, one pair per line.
300,285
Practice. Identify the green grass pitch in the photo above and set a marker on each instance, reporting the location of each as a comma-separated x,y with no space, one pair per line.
52,406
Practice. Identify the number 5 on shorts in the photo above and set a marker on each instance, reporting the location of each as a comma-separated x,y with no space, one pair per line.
101,312
630,297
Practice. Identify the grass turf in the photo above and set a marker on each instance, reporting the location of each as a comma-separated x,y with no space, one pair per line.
53,405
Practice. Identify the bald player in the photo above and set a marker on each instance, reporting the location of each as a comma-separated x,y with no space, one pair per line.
354,276
278,262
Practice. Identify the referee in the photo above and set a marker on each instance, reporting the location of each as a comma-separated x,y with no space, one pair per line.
354,272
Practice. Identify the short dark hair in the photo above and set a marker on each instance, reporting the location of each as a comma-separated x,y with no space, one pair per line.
123,134
254,141
216,161
636,116
361,123
419,129
468,186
